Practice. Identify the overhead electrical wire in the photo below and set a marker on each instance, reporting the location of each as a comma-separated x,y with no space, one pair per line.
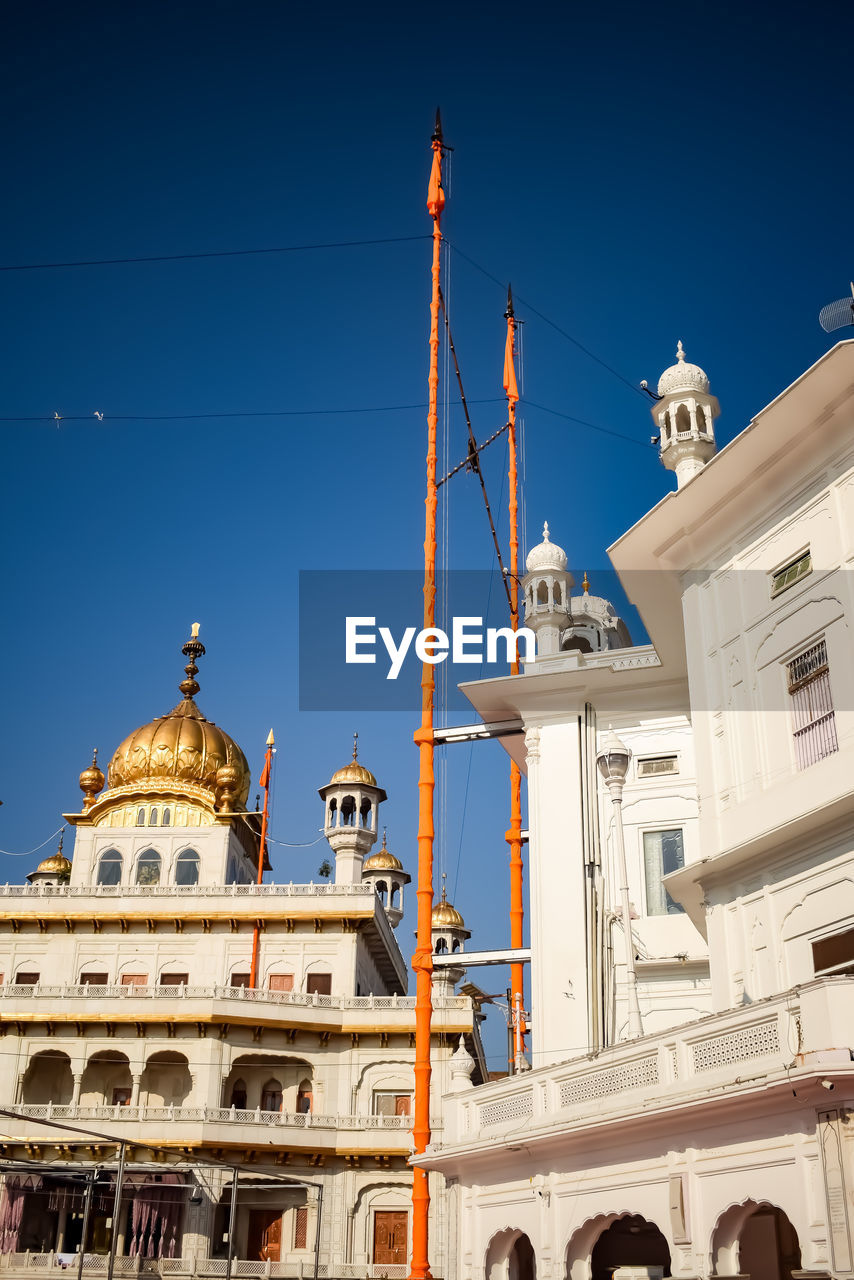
211,253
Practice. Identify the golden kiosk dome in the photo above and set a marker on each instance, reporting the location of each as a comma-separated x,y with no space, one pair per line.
382,860
445,914
353,771
182,745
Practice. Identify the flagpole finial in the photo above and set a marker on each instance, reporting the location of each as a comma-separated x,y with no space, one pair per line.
509,313
437,129
355,746
193,649
271,741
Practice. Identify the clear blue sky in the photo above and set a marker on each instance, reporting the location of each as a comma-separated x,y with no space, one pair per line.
640,173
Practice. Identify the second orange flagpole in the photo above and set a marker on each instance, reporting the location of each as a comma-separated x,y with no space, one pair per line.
265,783
514,835
422,961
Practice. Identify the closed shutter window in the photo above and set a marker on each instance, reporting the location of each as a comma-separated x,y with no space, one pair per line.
813,716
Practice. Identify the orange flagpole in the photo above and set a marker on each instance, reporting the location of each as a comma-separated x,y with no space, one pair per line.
514,835
422,961
265,783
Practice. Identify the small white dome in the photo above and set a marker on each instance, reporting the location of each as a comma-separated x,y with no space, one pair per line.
682,376
546,555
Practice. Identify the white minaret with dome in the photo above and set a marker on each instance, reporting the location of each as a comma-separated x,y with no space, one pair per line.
352,799
547,586
684,415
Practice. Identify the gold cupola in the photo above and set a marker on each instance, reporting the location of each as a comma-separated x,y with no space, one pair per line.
182,748
53,870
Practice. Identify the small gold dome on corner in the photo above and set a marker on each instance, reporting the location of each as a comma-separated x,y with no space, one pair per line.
382,860
57,864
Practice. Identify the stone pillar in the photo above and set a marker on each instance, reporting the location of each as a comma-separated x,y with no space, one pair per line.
75,1093
136,1080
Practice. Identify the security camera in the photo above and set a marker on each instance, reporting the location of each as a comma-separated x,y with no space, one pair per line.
827,1084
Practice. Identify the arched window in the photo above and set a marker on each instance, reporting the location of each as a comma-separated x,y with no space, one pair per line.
348,812
304,1099
701,419
167,817
110,867
153,817
683,419
140,817
394,900
271,1096
456,946
187,867
382,890
148,867
333,813
365,813
441,947
542,592
238,1095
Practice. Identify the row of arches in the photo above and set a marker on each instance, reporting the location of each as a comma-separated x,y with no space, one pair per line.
350,813
147,869
753,1238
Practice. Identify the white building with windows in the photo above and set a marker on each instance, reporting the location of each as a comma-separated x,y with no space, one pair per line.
717,1137
128,1015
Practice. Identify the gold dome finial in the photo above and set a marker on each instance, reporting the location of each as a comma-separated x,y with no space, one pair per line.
444,886
56,866
91,781
192,649
356,746
585,586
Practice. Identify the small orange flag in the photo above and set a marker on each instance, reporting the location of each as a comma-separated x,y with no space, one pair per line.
512,391
264,780
435,194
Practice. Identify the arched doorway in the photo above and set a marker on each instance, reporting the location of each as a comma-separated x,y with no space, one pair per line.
510,1256
631,1241
756,1239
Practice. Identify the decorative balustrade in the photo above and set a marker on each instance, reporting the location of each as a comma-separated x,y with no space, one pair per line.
332,890
768,1039
259,995
206,1115
95,1264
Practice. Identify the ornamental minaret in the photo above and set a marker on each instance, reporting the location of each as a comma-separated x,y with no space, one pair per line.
684,414
352,799
547,588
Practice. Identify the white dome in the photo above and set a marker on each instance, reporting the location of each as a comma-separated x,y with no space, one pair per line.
682,376
546,555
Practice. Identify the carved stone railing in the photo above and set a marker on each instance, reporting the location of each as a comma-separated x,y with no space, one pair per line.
240,995
206,1115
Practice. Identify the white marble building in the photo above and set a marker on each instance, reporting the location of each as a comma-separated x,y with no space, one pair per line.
715,1139
127,1013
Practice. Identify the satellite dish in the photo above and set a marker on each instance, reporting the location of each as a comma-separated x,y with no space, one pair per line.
837,314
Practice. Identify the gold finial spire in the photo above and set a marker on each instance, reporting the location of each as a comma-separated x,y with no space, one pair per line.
192,649
91,781
355,746
585,586
385,829
444,887
61,838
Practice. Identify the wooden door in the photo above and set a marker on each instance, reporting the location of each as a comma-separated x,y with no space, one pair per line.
264,1240
390,1237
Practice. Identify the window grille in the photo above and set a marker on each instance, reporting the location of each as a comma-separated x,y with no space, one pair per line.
791,573
812,706
301,1227
654,766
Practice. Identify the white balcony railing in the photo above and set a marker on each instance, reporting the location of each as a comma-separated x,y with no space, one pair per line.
95,1264
206,1115
187,890
759,1042
252,995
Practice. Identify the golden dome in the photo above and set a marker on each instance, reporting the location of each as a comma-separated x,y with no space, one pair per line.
445,914
57,864
182,745
354,772
382,860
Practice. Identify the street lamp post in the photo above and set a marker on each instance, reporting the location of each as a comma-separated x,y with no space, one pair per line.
613,761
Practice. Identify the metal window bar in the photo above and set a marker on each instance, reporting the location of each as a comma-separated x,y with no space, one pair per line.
812,706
